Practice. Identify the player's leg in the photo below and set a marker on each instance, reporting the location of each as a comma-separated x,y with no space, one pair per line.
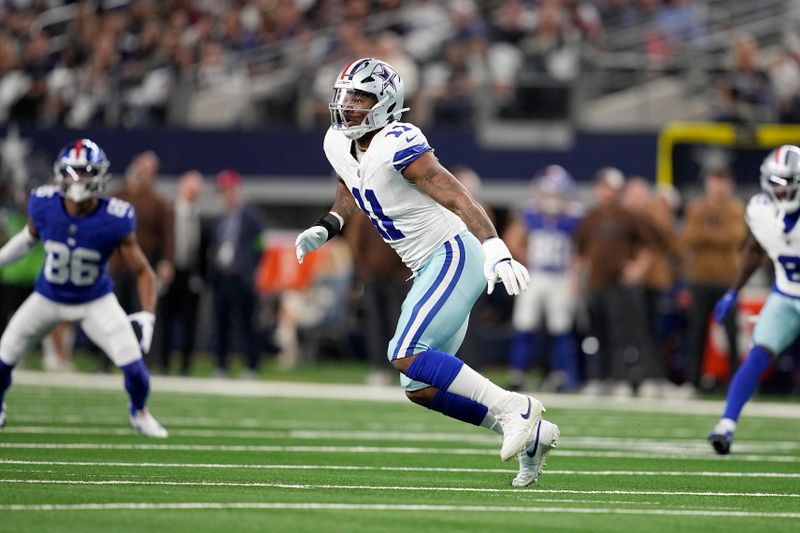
777,326
560,304
525,318
433,313
32,321
106,324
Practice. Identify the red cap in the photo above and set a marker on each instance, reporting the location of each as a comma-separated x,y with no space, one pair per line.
228,178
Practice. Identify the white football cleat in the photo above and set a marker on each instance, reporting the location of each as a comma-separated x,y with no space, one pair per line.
144,423
517,416
2,415
532,458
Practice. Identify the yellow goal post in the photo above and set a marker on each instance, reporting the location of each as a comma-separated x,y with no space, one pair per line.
719,134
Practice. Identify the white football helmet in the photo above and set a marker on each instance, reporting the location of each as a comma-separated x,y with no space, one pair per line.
780,177
377,78
80,170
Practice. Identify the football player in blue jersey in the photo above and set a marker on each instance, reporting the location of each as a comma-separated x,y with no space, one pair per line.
543,235
79,230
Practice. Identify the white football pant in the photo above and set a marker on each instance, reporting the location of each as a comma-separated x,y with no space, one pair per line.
550,296
103,320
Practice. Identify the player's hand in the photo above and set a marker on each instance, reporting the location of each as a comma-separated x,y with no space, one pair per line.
499,266
310,240
143,323
724,305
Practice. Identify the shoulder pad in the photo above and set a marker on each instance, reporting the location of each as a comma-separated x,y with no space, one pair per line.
759,208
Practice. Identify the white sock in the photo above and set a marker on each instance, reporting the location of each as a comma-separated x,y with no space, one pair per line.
469,384
726,424
489,422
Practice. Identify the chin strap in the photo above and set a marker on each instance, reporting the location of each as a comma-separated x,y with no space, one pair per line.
17,247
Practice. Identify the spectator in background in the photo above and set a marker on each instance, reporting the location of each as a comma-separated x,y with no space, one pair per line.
154,227
541,237
383,279
745,93
713,232
615,252
178,305
639,199
235,252
451,87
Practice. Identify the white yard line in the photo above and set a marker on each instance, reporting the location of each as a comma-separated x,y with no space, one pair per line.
389,508
568,442
200,466
388,449
257,388
394,488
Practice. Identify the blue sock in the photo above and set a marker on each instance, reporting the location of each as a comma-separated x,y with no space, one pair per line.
5,379
565,357
458,407
521,353
137,383
437,369
745,381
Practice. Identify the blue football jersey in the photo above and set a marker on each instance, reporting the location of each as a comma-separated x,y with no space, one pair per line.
77,248
549,240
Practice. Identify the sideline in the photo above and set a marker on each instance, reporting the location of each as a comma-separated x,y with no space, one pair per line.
377,393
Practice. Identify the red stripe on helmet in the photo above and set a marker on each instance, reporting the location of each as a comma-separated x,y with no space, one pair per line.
778,154
344,72
78,145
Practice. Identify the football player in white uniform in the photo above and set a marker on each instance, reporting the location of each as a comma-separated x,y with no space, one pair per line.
387,169
772,217
79,230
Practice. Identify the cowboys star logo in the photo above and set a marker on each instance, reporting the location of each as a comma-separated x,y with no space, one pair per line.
387,75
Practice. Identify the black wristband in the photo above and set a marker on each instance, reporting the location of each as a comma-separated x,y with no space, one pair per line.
331,223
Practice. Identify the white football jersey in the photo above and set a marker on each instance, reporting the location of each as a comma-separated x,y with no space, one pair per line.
779,236
407,219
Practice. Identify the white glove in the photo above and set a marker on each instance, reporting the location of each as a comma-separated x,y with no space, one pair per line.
310,240
146,321
498,265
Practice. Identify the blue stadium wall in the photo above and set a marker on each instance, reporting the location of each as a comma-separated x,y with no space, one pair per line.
299,153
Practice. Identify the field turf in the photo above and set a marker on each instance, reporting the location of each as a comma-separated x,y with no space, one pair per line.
69,462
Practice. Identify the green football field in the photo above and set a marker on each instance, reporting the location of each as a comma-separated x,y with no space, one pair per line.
69,462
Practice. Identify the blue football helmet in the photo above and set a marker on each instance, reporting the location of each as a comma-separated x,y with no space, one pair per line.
553,189
80,170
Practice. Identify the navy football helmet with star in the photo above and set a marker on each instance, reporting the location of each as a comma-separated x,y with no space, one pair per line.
80,170
367,76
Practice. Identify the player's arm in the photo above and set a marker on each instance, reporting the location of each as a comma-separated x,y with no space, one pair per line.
750,258
137,263
328,224
437,182
19,245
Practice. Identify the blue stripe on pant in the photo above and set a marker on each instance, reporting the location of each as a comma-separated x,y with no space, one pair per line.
436,311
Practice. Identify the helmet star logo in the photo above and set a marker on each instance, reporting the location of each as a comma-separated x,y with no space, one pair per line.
388,76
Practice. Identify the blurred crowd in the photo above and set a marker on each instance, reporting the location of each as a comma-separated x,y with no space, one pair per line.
625,276
136,63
